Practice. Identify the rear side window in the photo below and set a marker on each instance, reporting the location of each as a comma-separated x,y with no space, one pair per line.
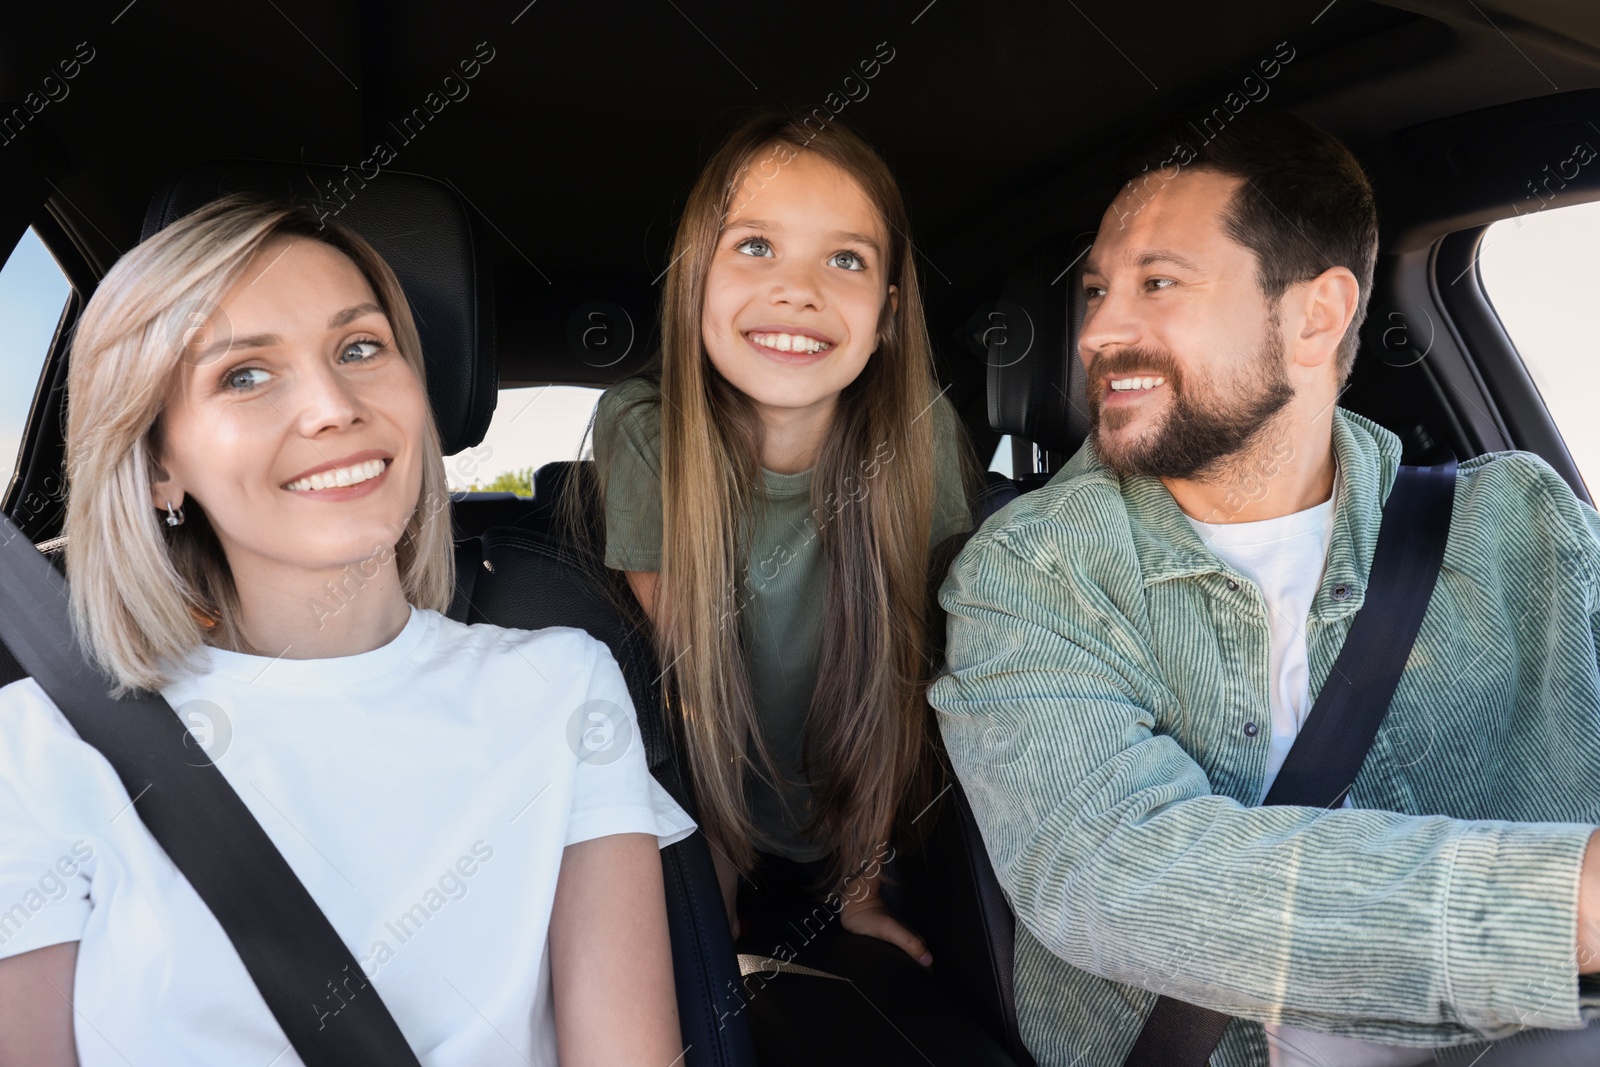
1540,271
1001,463
33,293
531,427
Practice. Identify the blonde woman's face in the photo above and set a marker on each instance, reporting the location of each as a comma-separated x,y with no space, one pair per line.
298,425
797,282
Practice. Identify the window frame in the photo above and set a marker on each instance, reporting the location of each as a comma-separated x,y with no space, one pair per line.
35,496
1503,376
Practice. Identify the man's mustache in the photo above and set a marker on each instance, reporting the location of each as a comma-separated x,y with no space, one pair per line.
1127,361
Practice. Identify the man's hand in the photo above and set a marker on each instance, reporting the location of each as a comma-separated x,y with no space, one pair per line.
869,917
1589,909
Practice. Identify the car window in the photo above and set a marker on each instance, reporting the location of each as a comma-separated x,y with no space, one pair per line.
33,292
1540,271
531,427
1001,461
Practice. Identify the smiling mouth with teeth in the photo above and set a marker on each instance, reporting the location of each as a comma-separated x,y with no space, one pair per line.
354,474
1125,385
789,342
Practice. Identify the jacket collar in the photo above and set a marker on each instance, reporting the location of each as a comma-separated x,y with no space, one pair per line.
1168,547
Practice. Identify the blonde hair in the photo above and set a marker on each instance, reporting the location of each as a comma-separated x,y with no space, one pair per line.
141,590
866,742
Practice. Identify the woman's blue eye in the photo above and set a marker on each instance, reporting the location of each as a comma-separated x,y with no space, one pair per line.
754,246
851,261
244,379
363,349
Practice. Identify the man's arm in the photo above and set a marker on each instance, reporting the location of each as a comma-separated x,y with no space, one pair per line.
1118,858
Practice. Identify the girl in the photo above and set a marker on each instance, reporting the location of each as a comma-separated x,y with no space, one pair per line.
772,492
258,527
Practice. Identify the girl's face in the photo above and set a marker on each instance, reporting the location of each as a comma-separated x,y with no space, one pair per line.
298,427
796,284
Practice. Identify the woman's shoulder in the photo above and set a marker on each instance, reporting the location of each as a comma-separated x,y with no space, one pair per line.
44,761
27,711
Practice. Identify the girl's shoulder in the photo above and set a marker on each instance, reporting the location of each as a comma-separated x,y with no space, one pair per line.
630,399
638,388
949,439
946,423
627,424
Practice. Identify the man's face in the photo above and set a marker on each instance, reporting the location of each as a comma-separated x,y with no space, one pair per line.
1184,353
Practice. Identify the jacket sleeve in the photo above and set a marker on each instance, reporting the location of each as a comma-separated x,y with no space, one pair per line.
1118,858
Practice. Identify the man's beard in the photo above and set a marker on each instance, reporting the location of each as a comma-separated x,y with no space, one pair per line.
1195,438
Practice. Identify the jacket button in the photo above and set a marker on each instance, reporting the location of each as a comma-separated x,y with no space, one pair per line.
1233,585
1341,592
1249,729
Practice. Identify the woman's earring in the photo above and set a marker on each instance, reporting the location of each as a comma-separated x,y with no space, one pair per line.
174,517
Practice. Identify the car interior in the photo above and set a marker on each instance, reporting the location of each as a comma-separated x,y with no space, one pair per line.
529,218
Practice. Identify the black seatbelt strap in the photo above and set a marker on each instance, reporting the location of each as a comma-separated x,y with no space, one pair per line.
310,980
1343,722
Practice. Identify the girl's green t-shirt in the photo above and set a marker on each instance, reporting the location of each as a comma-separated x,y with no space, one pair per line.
780,619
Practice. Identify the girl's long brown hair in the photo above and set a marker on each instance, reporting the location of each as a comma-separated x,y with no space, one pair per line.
872,494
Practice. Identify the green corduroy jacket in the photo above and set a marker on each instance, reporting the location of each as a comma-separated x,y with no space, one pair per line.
1102,665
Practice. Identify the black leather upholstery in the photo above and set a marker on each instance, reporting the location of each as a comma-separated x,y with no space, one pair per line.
469,560
997,492
1038,393
424,231
889,1011
954,900
473,513
550,479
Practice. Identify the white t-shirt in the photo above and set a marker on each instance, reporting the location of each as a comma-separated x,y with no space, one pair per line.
1285,558
423,792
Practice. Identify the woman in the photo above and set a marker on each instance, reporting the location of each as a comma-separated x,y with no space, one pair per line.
773,493
258,528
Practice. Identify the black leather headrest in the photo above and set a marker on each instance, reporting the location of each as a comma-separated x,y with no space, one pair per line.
424,231
1036,381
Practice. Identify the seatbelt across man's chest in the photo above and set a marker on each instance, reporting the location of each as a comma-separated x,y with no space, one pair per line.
1332,744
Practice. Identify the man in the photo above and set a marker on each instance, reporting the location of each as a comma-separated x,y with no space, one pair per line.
1133,647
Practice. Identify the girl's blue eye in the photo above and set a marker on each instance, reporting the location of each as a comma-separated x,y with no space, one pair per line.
754,246
364,350
851,261
244,379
